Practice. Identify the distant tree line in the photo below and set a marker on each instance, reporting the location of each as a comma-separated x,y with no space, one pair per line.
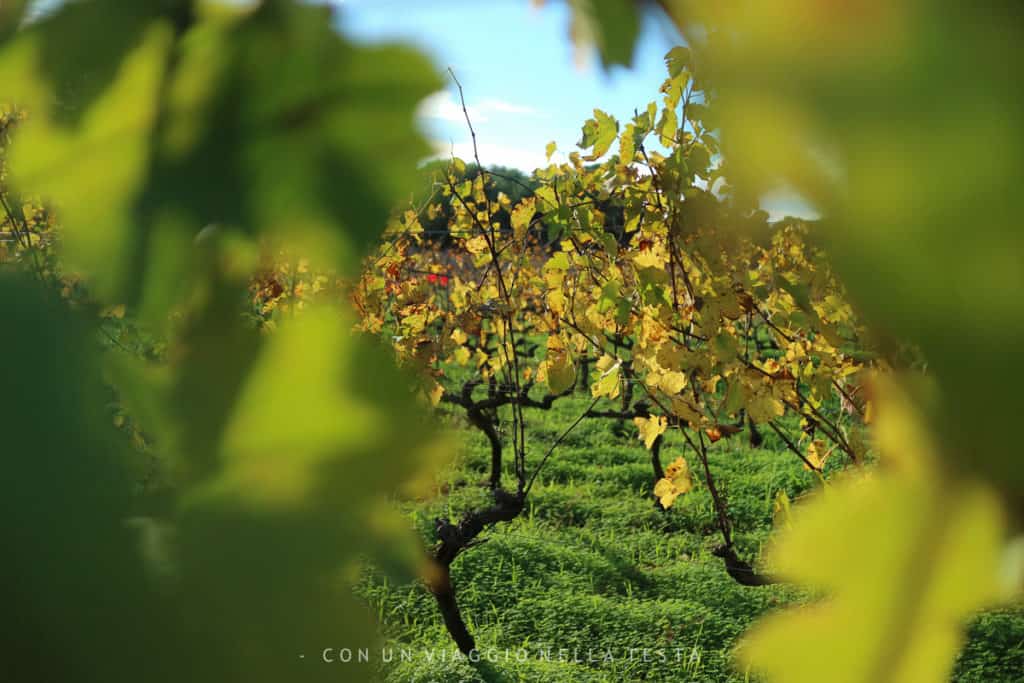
436,212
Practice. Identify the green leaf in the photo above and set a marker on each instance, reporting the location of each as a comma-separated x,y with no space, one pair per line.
11,15
907,552
262,459
561,376
907,564
725,347
95,170
627,147
68,550
677,60
522,215
607,384
269,122
78,67
599,134
667,126
618,27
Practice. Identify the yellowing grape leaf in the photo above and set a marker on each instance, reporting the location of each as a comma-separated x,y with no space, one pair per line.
782,511
763,407
435,394
558,366
686,410
676,482
461,356
561,376
599,134
627,146
672,382
817,454
608,384
650,428
476,245
522,215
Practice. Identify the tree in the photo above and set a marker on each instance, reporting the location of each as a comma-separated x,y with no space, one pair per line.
668,312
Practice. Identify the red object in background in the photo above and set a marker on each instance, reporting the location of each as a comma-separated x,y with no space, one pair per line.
435,279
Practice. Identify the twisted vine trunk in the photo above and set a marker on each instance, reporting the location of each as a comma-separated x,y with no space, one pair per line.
442,590
659,471
454,538
486,425
740,571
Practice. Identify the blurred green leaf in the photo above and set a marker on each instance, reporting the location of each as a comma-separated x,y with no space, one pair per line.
95,169
611,26
223,546
920,201
73,582
12,13
908,563
268,122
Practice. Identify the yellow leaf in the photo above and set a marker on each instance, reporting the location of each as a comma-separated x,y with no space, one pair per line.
672,382
555,300
651,428
816,454
522,215
665,492
676,482
561,373
764,407
461,356
606,362
561,376
684,409
782,511
907,564
476,245
608,384
435,395
114,312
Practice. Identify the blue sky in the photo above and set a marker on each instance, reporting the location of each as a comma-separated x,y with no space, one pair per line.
520,75
518,69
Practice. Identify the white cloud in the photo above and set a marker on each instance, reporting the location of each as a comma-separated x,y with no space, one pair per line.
444,106
782,203
524,159
505,107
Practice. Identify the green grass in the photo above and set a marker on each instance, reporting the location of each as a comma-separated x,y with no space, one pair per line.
592,566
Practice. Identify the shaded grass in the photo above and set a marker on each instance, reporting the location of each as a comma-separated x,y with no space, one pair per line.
592,573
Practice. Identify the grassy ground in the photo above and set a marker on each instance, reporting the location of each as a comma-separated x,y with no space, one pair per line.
592,573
